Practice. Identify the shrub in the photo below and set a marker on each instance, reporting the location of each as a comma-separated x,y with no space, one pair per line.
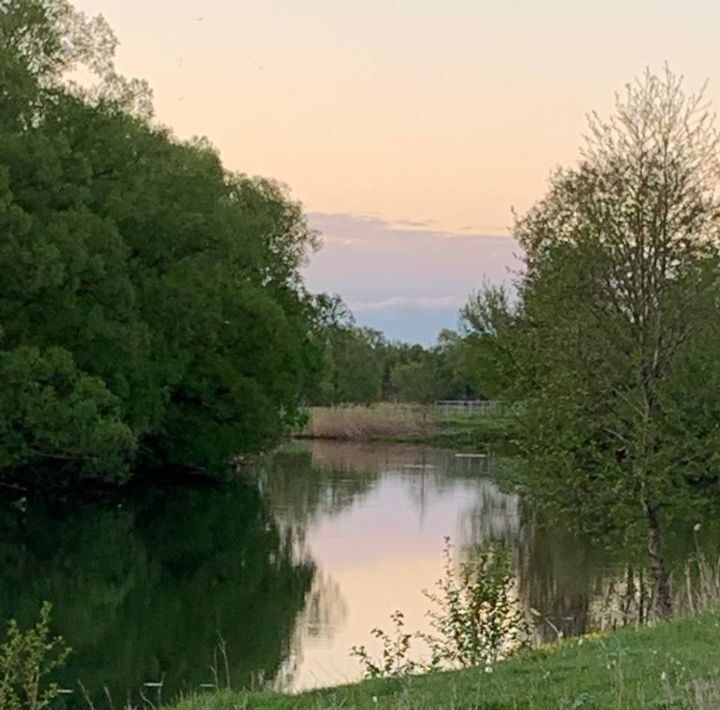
26,658
476,620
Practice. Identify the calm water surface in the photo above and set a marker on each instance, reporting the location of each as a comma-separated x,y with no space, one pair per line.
287,569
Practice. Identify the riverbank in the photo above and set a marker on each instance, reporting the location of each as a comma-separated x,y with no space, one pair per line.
671,665
408,423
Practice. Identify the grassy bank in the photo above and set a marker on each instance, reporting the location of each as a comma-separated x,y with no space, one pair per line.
412,423
472,433
672,665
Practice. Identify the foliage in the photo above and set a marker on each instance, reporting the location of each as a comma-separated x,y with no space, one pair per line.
607,345
362,367
487,354
394,657
415,382
476,621
26,659
152,307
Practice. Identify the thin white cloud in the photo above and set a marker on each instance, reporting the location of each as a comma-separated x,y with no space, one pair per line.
409,278
405,303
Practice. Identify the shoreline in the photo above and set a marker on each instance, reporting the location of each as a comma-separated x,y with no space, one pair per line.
668,664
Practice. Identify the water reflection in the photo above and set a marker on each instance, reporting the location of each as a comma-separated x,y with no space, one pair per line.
142,590
293,565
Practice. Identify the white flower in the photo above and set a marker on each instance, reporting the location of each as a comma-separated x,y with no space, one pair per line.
697,527
488,669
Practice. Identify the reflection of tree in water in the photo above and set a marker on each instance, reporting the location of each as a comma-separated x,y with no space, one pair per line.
494,516
559,575
583,587
307,481
324,614
141,592
576,586
325,609
299,489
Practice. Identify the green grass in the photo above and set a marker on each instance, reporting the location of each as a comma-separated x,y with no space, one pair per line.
672,665
472,433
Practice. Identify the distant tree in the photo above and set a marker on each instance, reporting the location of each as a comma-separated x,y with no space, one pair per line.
415,381
353,356
609,343
357,367
487,354
455,367
396,354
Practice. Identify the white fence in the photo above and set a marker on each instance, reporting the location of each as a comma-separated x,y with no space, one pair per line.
472,407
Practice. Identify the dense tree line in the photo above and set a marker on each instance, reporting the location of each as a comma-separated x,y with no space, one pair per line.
362,367
610,344
151,304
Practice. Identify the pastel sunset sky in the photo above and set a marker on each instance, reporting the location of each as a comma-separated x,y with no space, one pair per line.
408,128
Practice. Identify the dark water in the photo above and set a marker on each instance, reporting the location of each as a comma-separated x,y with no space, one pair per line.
288,569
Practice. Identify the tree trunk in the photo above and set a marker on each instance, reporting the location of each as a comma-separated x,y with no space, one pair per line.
661,580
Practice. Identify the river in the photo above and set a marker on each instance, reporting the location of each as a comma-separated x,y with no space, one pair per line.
271,579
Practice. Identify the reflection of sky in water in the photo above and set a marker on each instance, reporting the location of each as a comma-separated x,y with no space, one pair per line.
376,553
373,518
338,537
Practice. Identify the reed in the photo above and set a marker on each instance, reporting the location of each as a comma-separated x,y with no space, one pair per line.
384,420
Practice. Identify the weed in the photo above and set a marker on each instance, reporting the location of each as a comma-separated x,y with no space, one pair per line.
26,659
476,621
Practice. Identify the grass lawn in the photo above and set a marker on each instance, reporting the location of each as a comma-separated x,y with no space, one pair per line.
472,433
673,665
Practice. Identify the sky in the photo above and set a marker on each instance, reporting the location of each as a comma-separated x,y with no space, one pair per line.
409,129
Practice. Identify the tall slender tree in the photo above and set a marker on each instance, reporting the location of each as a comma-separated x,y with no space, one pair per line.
619,289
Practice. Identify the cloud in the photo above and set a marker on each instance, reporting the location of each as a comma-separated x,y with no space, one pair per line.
391,273
405,303
367,229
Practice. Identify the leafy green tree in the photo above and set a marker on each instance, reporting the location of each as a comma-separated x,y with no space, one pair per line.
152,306
608,345
356,369
353,356
455,367
415,381
488,354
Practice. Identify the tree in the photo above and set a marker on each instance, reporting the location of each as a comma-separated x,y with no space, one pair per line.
486,355
616,307
152,306
353,359
415,381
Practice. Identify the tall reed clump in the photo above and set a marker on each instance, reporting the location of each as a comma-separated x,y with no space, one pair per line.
26,659
701,581
384,420
475,621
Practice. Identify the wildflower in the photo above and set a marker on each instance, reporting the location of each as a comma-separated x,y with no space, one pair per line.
697,527
488,669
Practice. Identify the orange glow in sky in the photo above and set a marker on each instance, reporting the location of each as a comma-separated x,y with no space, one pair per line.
444,115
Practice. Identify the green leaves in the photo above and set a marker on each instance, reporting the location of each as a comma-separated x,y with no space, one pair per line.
610,347
475,620
53,412
165,290
26,658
